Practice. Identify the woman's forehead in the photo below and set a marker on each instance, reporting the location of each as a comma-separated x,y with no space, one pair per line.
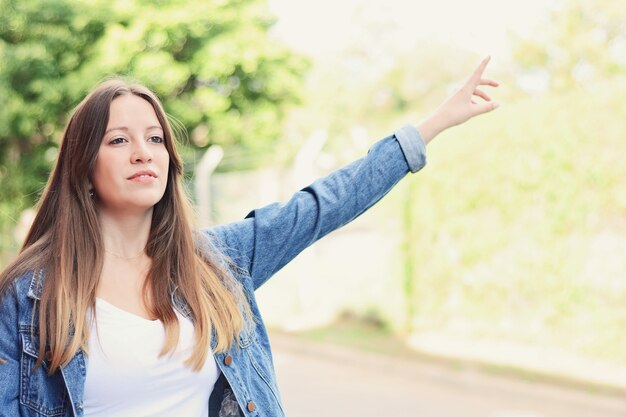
129,110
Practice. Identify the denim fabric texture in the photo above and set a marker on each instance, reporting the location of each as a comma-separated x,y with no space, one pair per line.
260,245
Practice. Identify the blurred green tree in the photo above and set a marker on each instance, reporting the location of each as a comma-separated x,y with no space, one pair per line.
213,64
582,42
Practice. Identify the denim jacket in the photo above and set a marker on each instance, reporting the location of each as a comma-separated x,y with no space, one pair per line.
260,245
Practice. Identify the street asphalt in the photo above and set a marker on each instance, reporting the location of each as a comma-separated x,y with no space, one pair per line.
320,380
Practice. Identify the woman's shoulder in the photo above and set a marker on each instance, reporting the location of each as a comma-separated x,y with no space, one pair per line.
228,245
25,285
17,302
231,239
26,273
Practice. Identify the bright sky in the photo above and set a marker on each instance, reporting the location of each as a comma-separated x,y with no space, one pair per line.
481,26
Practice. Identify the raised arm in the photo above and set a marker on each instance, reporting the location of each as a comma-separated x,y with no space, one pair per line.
271,236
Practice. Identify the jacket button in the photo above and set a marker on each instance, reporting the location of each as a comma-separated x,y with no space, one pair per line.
228,360
251,406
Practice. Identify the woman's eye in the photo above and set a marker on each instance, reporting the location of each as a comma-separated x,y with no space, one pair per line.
156,139
117,141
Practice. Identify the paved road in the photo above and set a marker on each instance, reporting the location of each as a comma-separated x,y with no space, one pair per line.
333,382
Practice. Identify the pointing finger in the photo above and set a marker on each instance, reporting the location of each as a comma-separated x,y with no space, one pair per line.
478,72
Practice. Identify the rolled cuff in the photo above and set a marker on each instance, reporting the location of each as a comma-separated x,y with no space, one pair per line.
413,146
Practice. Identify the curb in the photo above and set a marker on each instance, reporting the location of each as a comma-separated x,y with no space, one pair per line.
553,366
447,365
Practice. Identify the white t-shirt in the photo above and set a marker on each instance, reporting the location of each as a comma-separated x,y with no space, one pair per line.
126,377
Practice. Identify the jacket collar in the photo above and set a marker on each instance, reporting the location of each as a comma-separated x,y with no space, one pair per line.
36,285
179,303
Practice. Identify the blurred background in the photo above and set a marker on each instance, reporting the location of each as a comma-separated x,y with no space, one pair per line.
509,248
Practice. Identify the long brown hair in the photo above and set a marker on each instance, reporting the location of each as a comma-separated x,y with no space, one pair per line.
64,243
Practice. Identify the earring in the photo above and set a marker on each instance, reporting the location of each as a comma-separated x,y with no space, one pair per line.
92,193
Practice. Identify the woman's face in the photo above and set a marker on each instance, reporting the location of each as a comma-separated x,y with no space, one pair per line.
131,169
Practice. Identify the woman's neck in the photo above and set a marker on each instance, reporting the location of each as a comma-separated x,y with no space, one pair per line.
125,236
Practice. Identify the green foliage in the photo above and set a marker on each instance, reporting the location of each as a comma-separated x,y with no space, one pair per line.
583,42
526,213
354,89
211,62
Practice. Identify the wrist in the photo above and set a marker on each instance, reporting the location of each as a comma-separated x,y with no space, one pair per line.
430,127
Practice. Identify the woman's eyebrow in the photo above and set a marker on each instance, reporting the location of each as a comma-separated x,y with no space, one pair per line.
125,129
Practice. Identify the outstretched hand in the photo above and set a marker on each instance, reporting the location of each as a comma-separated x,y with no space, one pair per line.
461,106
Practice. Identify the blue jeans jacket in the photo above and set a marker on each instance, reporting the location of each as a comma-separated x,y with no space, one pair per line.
261,244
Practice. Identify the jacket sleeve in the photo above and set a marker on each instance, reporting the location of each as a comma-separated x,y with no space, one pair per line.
9,354
269,237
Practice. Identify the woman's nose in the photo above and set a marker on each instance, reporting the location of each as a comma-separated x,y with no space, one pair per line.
141,152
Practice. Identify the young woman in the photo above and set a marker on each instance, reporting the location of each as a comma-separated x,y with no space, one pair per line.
116,306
